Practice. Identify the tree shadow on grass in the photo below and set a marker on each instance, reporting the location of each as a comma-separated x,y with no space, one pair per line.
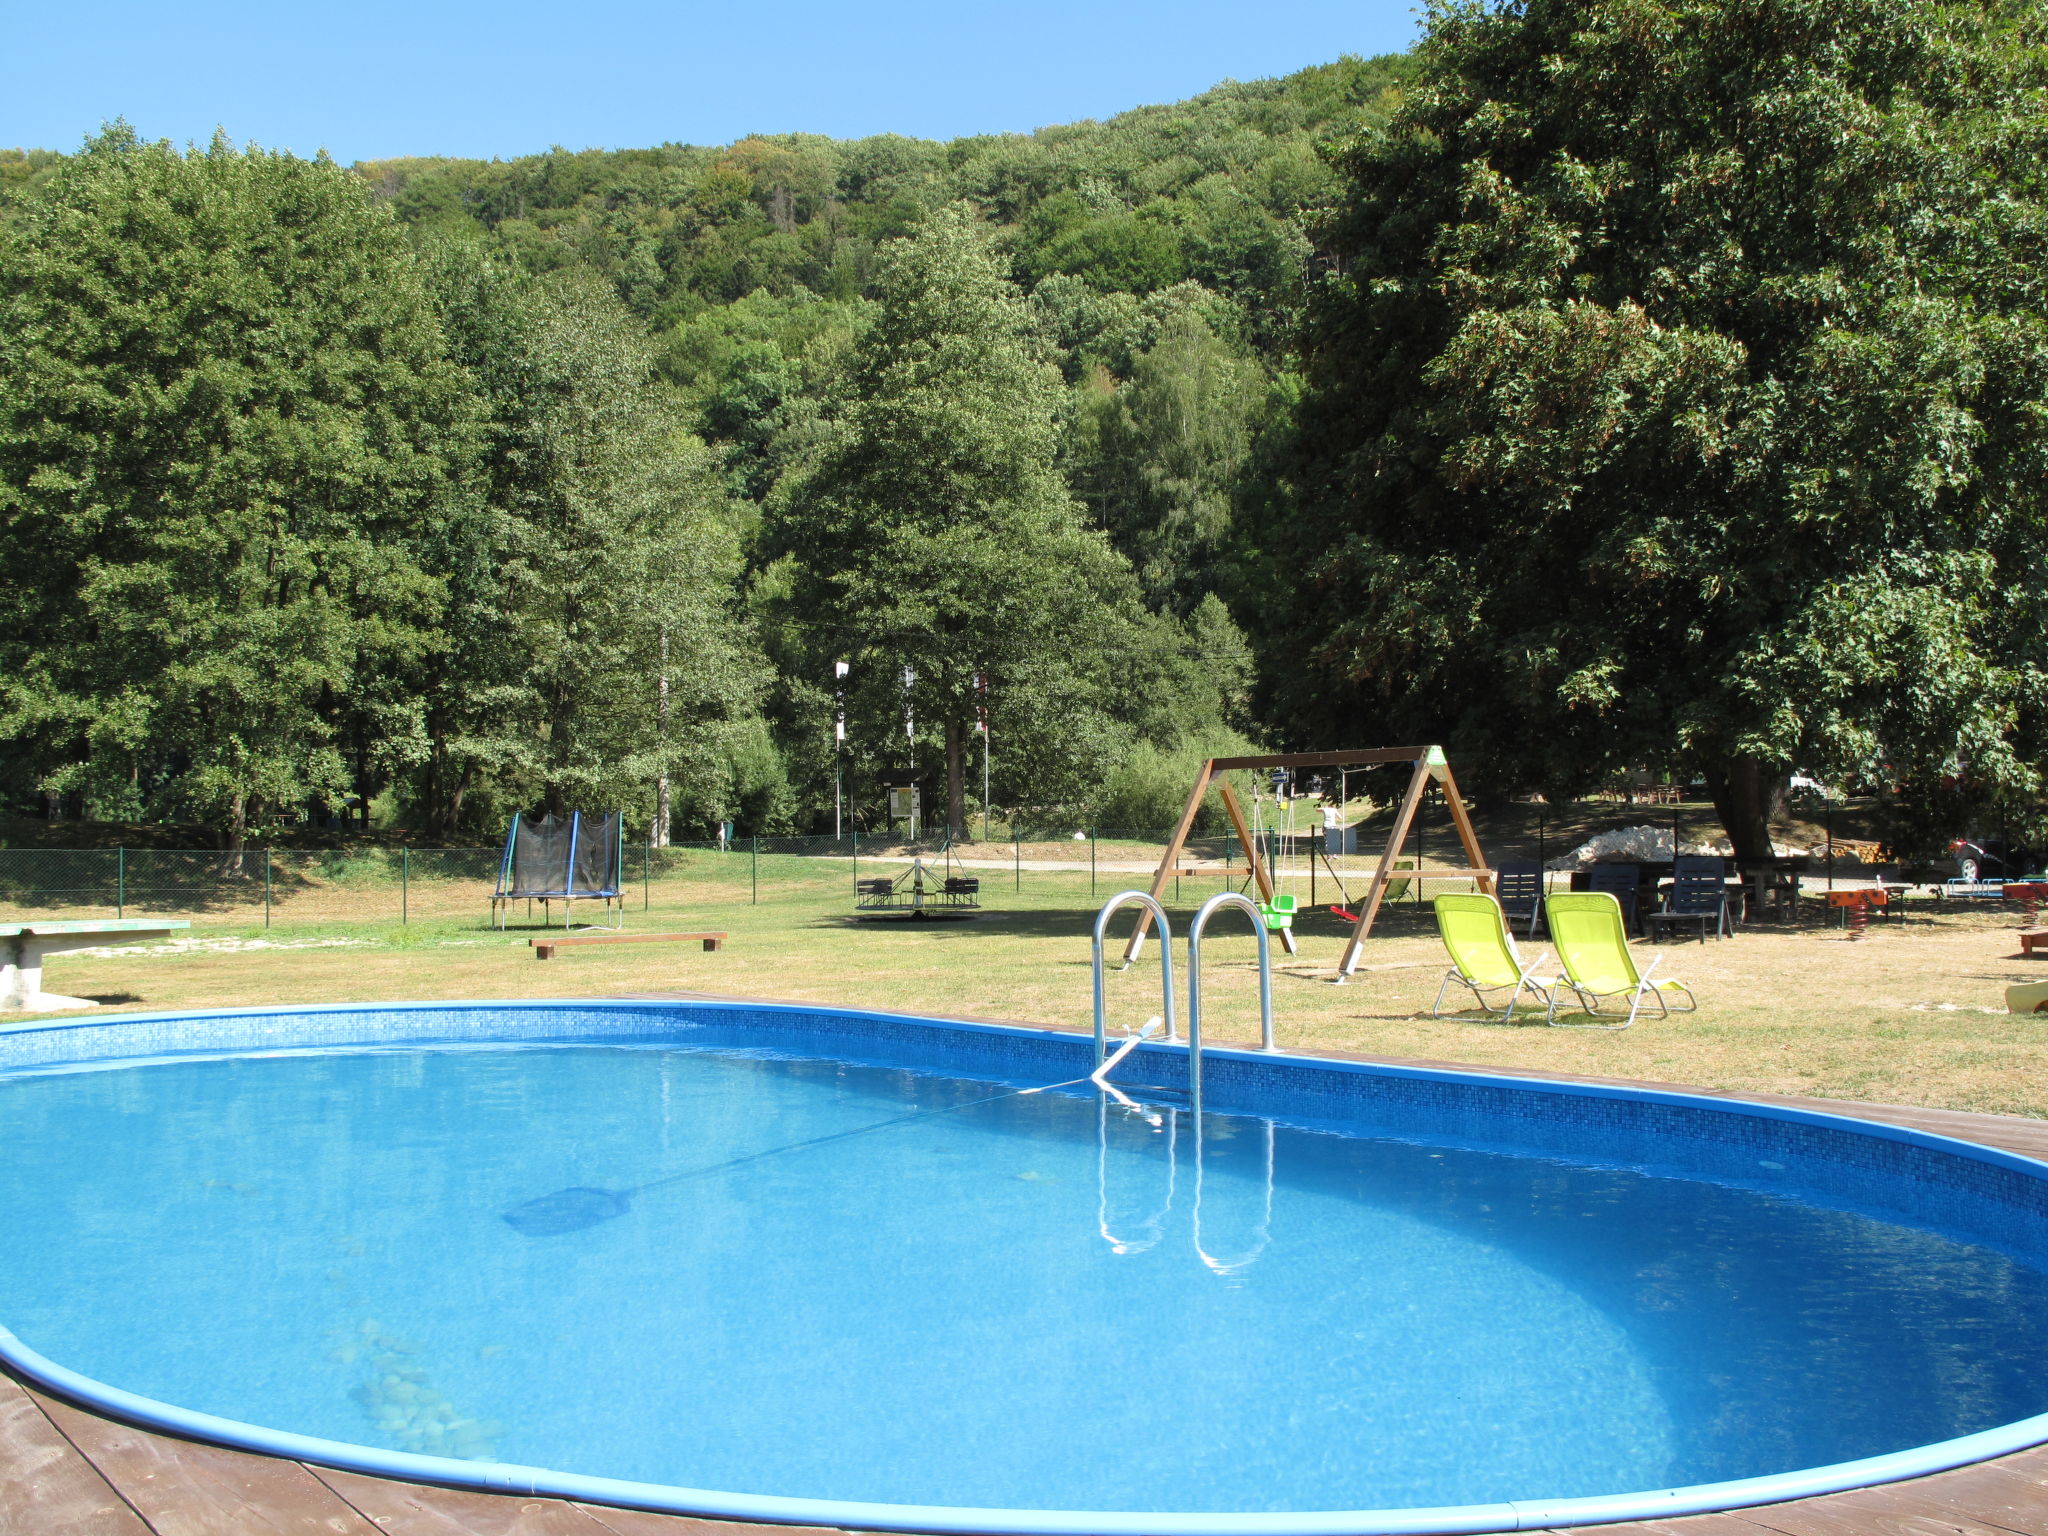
1079,923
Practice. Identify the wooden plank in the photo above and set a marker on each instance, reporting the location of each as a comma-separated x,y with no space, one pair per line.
1893,1509
47,1487
1417,783
1262,873
183,1488
1168,859
645,1522
1444,874
2002,1493
1468,835
414,1509
1354,757
710,940
1729,1523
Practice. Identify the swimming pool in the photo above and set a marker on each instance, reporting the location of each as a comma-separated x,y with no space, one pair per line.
842,1269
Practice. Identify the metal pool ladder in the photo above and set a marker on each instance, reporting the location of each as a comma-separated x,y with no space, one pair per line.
1208,909
1109,909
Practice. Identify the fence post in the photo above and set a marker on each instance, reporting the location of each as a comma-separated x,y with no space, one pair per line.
405,884
646,872
120,883
266,887
1016,856
756,841
856,862
1092,835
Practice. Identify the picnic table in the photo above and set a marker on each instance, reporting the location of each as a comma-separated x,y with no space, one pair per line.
23,947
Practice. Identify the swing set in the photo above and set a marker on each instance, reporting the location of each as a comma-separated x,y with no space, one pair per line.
1430,767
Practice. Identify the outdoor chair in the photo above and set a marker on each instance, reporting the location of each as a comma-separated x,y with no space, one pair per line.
1624,883
1699,895
1592,946
1483,956
1519,885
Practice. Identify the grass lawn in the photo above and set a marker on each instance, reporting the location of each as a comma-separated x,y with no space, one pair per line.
1911,1014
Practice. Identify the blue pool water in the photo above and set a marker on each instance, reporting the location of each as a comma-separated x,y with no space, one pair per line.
867,1281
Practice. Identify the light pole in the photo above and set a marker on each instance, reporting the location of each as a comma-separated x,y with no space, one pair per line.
839,671
910,748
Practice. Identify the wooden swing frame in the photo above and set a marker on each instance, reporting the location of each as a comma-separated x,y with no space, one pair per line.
1430,766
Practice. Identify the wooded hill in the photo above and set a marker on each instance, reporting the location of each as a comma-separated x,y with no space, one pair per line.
1163,253
1590,389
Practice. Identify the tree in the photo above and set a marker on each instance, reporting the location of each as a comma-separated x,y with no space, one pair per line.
593,655
1675,401
1160,454
935,541
226,426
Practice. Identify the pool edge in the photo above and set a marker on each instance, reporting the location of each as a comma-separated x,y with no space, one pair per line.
508,1479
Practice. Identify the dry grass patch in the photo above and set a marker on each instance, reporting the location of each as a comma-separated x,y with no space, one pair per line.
1911,1014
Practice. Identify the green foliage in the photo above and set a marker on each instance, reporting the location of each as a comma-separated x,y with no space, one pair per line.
1678,403
459,527
592,650
935,528
1145,793
1158,456
226,424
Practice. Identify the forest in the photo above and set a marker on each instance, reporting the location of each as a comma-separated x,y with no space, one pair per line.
1585,394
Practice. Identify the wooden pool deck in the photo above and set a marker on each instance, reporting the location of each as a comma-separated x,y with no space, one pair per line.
66,1471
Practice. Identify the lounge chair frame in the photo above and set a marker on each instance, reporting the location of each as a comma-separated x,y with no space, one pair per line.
1646,985
1525,977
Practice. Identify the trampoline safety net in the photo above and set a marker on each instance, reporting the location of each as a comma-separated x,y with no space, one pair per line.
573,859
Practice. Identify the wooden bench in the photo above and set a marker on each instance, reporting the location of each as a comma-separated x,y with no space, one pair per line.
2030,937
544,949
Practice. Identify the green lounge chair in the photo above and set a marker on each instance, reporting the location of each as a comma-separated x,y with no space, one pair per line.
1592,945
1483,956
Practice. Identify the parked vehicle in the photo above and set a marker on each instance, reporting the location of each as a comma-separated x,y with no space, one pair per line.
1992,858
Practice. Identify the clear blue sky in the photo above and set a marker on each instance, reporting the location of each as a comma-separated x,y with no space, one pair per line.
460,77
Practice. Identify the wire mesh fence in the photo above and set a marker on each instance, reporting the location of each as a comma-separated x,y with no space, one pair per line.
443,885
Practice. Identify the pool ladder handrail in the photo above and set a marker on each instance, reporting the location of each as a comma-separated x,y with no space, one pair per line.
1109,909
1207,910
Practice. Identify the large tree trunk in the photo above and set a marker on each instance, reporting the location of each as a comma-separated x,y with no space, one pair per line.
440,819
956,784
237,835
1746,795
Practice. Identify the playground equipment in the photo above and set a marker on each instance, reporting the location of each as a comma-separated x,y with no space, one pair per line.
1430,767
551,860
920,893
2027,997
1856,905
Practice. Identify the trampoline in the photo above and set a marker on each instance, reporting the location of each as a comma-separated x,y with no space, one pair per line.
550,860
